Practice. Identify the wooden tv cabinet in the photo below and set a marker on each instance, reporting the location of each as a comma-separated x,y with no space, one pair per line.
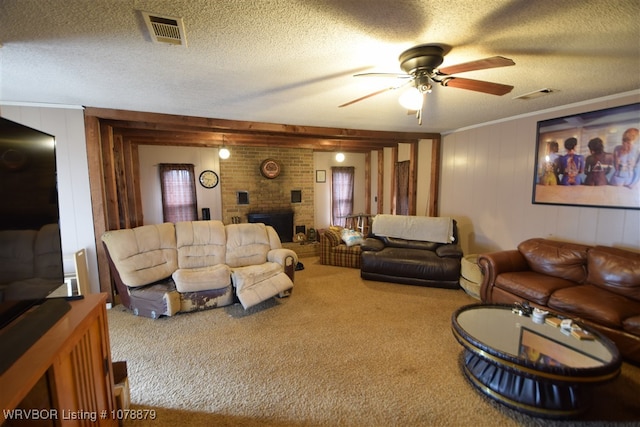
64,378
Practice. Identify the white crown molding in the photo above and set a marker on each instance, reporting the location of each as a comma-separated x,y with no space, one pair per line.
40,105
549,110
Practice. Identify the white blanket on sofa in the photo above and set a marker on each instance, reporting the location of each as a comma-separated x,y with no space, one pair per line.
428,229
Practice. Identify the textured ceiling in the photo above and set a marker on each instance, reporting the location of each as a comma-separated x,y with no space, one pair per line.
292,61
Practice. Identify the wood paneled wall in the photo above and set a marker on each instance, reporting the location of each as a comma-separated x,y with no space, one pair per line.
487,181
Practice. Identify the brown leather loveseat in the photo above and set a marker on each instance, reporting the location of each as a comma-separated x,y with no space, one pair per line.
597,285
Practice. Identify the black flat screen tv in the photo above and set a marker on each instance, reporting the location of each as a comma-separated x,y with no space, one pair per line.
30,246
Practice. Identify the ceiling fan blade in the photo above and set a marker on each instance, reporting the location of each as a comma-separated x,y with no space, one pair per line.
367,96
394,75
480,64
477,85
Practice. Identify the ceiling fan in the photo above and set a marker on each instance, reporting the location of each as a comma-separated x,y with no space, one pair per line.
420,63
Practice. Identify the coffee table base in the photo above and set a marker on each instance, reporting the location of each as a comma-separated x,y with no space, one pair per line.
525,394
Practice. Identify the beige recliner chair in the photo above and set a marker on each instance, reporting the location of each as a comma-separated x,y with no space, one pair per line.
257,261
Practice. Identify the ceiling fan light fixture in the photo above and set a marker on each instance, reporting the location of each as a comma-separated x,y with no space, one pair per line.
411,99
223,151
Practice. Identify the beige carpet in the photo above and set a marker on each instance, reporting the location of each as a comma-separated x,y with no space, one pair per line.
340,351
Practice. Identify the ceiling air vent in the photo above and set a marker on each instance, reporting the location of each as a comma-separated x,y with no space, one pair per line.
165,29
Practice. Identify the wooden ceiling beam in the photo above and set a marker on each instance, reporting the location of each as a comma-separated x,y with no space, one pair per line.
158,121
215,138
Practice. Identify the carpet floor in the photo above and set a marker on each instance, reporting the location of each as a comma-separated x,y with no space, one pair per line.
341,351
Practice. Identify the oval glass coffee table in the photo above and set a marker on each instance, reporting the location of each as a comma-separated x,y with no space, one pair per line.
536,368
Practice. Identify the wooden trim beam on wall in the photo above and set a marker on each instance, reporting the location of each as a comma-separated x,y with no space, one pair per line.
159,121
380,193
367,183
99,203
413,177
394,162
434,195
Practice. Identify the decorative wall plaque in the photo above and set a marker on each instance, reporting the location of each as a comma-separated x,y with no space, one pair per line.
270,169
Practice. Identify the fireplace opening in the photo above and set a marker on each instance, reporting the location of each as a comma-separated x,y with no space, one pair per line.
282,222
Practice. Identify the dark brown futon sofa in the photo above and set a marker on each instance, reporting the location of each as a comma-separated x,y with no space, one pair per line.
597,285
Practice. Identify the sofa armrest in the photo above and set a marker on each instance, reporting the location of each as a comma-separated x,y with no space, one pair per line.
286,258
449,251
372,244
330,238
280,256
495,263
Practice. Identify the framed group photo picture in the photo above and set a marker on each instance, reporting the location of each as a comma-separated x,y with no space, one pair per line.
589,159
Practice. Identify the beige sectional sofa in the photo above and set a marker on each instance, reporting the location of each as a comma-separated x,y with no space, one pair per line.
164,269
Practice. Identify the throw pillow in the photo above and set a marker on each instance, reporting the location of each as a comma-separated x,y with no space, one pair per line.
351,237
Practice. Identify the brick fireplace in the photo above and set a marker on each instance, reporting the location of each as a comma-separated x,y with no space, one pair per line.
241,173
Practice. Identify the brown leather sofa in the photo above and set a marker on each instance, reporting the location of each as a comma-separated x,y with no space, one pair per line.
597,285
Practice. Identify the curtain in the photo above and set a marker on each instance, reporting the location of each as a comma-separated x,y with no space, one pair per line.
341,194
177,182
402,188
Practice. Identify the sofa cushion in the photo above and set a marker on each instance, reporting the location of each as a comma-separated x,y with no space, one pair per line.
200,243
344,249
531,286
557,259
216,276
274,239
341,255
595,304
372,244
247,244
145,254
394,242
615,270
411,263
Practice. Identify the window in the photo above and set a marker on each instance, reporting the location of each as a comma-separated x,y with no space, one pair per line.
341,194
177,182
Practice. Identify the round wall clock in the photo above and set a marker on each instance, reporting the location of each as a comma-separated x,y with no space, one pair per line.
270,169
209,179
